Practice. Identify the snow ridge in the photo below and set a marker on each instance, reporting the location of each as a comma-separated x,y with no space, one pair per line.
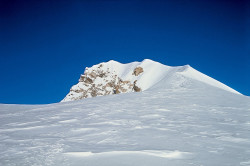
113,77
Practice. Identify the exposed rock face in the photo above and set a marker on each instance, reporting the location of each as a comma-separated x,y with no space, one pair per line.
100,80
136,88
137,71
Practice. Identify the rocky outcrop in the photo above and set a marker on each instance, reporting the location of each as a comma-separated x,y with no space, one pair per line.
135,87
137,71
100,80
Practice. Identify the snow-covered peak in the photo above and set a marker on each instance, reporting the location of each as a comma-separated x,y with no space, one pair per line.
113,77
194,74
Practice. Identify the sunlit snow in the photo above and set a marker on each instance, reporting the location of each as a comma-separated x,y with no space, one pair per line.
179,121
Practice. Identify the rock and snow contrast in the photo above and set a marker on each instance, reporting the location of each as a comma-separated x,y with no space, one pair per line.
180,117
113,77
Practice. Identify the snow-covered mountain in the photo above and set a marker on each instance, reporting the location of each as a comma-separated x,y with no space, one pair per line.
180,118
113,77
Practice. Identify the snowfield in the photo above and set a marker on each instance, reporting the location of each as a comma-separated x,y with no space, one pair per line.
179,121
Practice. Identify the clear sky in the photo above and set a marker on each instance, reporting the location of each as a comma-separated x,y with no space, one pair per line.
46,45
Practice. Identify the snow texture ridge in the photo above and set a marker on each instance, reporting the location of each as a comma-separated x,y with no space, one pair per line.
113,78
189,123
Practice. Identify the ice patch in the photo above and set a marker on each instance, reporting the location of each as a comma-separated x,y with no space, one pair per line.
20,129
163,154
163,110
80,154
68,121
80,130
233,139
245,163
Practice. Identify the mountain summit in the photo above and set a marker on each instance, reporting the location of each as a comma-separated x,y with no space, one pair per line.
113,77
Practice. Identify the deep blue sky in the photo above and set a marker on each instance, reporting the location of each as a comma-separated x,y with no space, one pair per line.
45,45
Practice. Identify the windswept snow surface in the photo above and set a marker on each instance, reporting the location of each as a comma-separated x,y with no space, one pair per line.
178,122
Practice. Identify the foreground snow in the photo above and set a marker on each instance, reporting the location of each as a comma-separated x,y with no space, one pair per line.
177,123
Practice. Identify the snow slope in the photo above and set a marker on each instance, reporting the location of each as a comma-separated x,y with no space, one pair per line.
179,121
95,80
